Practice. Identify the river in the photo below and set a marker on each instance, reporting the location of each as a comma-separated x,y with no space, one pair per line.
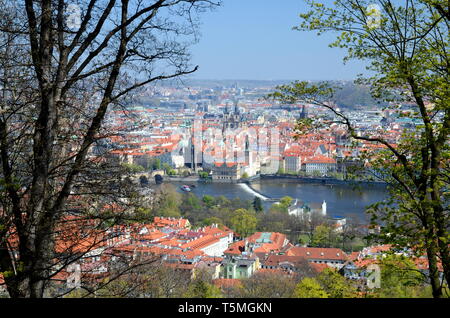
342,199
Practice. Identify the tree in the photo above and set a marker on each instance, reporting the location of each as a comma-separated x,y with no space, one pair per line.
309,288
325,236
166,167
309,221
169,203
212,220
221,200
351,236
316,173
167,282
190,204
257,205
203,174
208,200
274,221
143,180
133,168
202,289
185,173
336,285
282,205
406,47
155,164
286,201
400,278
57,90
321,236
267,285
243,222
150,281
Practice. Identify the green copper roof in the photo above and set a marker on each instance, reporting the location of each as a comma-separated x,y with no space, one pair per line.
264,238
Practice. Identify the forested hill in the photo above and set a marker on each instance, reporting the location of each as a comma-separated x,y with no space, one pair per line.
354,96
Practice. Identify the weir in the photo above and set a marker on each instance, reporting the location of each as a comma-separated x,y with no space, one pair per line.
247,187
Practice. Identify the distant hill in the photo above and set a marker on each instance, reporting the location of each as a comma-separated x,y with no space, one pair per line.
350,96
354,96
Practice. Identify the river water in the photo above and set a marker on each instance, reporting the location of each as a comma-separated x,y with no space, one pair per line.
342,199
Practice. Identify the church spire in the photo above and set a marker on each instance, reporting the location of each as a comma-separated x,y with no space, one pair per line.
303,115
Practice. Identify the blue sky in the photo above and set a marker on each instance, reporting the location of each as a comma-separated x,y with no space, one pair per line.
253,39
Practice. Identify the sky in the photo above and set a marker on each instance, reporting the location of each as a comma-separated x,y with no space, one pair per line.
253,39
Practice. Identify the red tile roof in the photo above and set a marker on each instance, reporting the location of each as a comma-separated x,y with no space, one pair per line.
319,267
201,243
317,253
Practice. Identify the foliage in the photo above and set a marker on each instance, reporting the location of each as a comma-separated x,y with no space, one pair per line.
60,80
282,205
267,285
405,45
243,222
257,205
203,174
154,163
191,202
324,235
286,201
321,236
168,169
336,285
185,173
400,278
309,288
143,180
169,204
352,95
212,220
208,200
133,168
202,289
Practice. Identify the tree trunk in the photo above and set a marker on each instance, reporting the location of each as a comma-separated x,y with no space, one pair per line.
431,249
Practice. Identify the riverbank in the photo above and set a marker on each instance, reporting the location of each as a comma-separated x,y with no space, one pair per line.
285,178
320,180
183,179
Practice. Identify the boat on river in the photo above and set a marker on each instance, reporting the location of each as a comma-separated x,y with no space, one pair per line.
186,188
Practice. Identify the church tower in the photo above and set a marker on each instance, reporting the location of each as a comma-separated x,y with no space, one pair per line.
247,151
231,120
303,114
194,163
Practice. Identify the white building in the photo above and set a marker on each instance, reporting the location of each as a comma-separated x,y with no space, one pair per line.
320,164
298,207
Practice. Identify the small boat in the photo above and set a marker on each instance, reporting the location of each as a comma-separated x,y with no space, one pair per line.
192,186
186,188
